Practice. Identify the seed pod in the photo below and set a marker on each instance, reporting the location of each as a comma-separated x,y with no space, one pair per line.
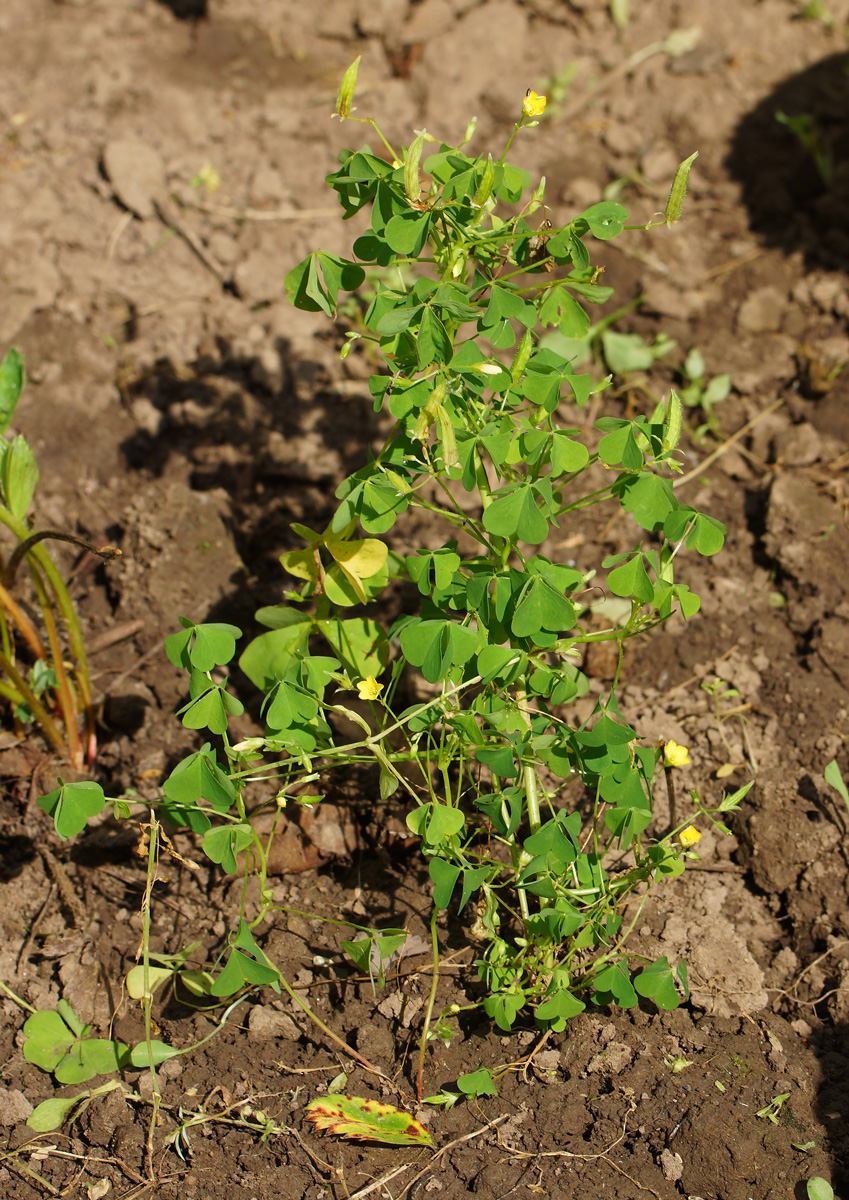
520,359
536,198
485,186
674,416
678,191
346,91
412,183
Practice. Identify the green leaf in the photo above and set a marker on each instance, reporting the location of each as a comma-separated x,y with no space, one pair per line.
12,379
314,284
48,1039
289,704
624,352
567,455
210,705
71,805
499,759
90,1057
199,777
221,845
706,534
473,878
477,1083
514,515
134,980
613,986
620,446
503,1008
605,220
19,476
443,875
407,233
444,822
433,345
631,579
648,498
159,1052
437,645
202,647
246,965
834,778
55,1041
542,606
657,982
51,1114
558,1008
499,662
366,1121
817,1188
268,656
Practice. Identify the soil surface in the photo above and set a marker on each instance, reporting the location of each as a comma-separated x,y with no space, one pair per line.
179,408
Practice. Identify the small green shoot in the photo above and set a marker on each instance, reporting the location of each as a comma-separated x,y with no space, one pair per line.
469,1087
819,1189
771,1111
834,778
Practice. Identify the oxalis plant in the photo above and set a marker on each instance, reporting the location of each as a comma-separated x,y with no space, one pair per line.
486,436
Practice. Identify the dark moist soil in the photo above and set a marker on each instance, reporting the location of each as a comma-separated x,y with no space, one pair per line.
180,409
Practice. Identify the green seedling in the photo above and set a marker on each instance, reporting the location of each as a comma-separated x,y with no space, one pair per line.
810,137
677,1063
834,778
56,697
373,951
626,353
362,1120
469,1087
488,436
701,392
720,691
771,1111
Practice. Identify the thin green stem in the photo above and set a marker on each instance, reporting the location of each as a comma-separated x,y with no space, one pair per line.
431,1000
17,999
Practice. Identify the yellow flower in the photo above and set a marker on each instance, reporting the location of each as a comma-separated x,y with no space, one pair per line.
534,105
369,689
675,755
689,837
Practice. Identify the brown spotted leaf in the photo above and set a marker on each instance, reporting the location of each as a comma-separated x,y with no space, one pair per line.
367,1120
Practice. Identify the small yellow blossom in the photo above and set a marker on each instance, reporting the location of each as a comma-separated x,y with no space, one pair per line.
675,755
369,689
689,837
534,105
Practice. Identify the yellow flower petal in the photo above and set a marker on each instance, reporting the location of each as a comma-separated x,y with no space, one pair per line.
369,689
675,755
534,105
689,837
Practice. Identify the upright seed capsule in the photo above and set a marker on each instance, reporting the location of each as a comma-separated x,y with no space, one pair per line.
412,183
346,91
674,417
678,191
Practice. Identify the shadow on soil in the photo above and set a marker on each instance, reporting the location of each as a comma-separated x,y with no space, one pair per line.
791,156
